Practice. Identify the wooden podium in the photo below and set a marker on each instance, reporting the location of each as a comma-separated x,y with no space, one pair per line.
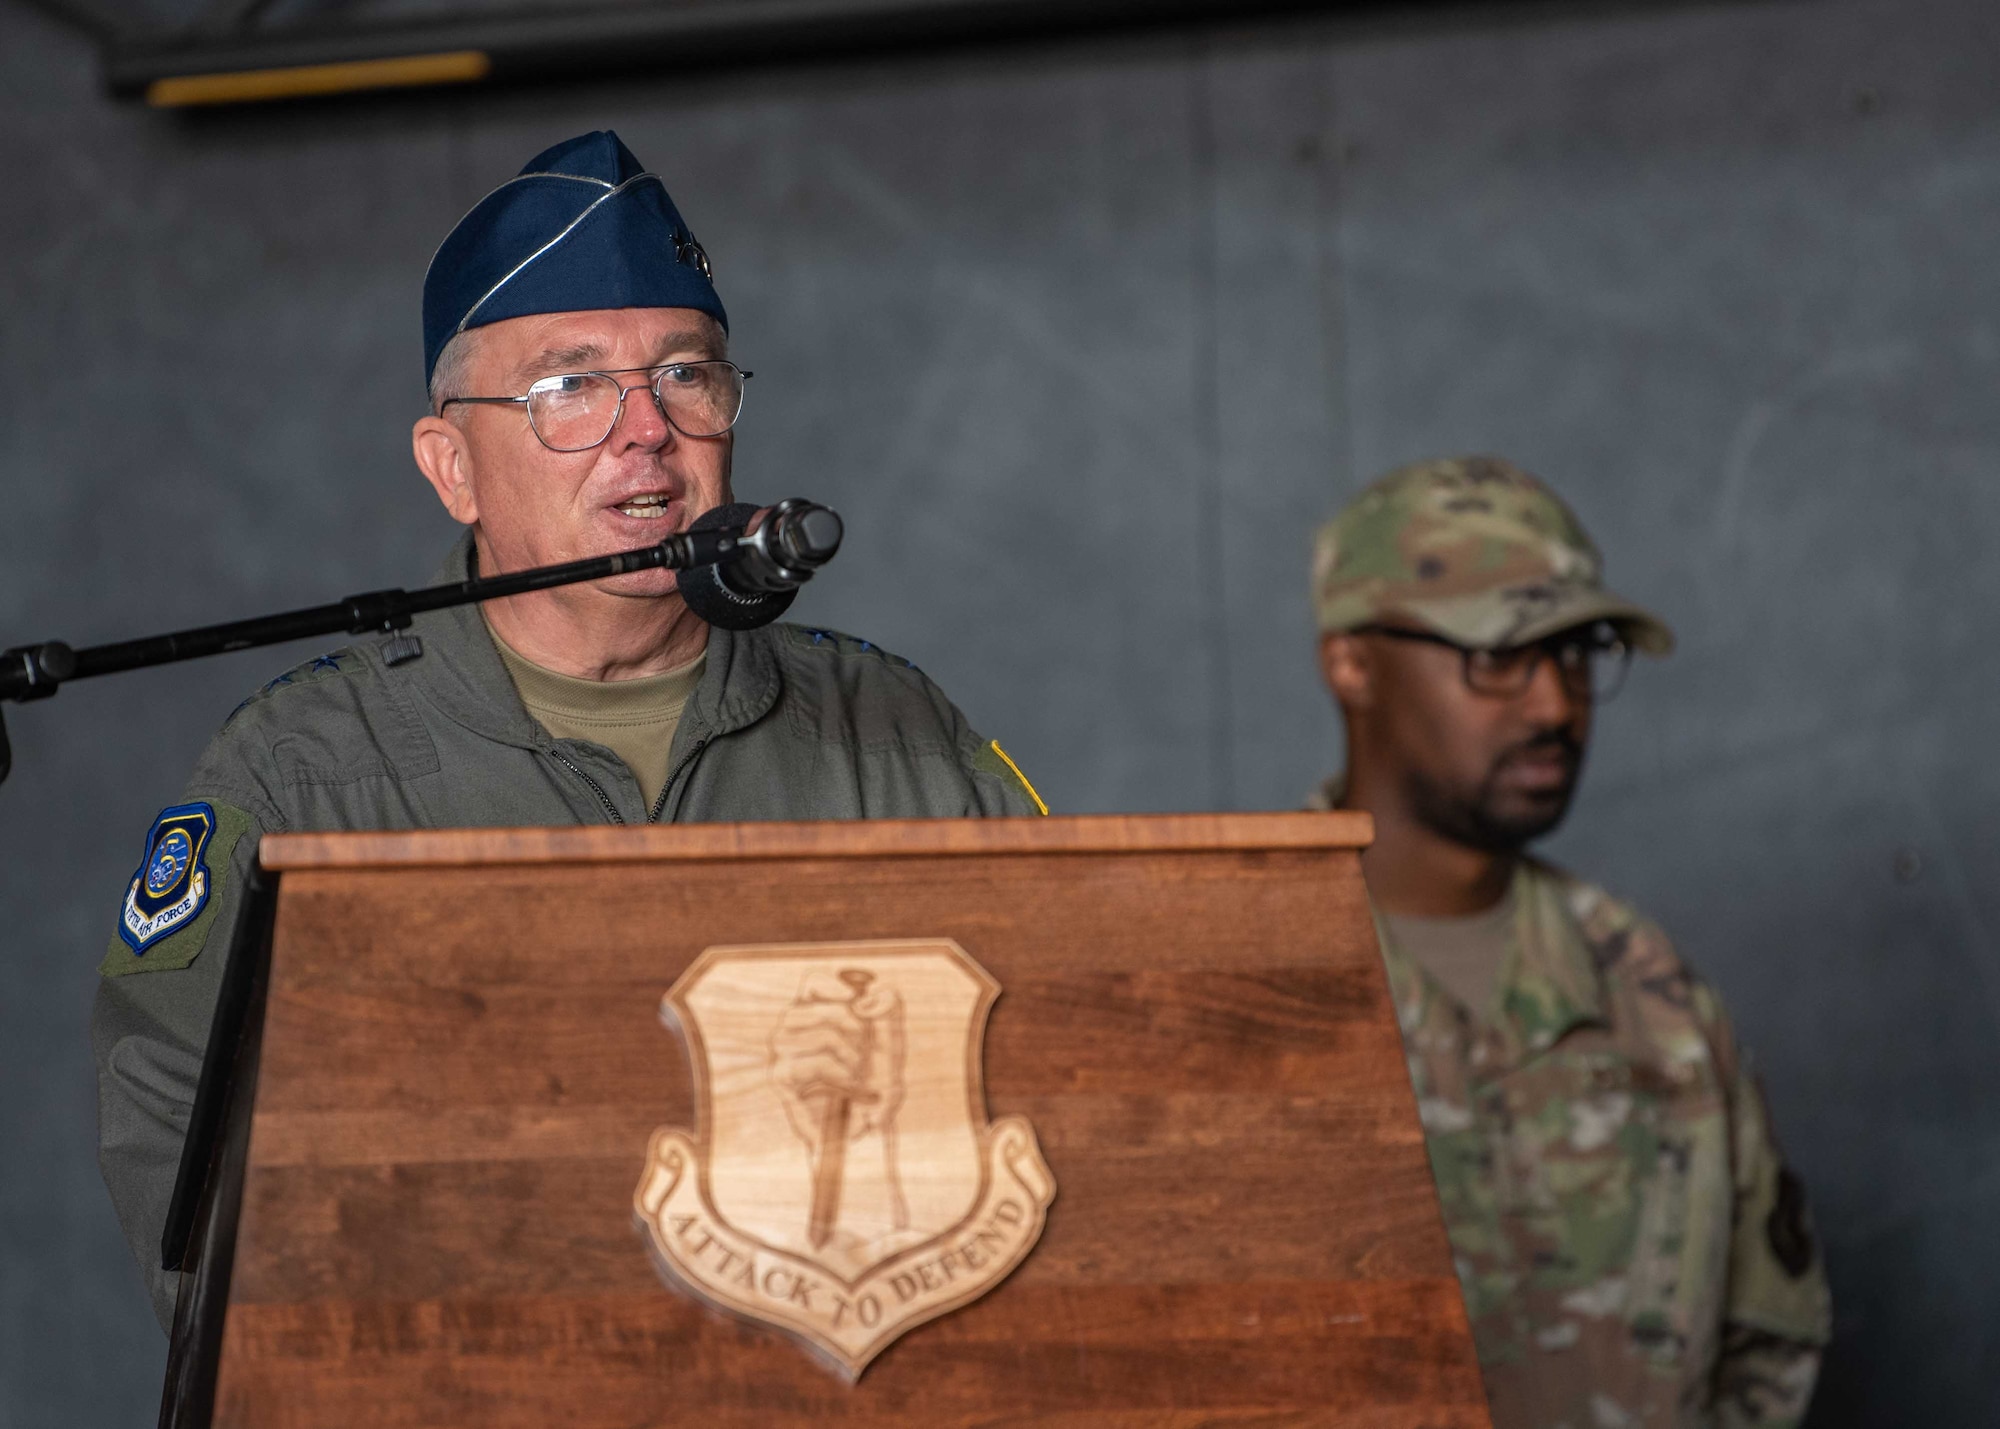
451,1165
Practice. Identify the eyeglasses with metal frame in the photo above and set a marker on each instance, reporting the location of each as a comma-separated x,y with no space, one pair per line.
575,411
1591,659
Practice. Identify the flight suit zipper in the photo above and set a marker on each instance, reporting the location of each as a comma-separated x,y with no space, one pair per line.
659,804
597,788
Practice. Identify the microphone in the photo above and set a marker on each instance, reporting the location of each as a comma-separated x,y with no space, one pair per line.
739,566
777,551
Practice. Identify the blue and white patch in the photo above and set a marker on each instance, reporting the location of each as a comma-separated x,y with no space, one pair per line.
172,884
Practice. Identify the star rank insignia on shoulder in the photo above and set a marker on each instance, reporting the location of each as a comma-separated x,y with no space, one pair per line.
320,667
173,882
843,644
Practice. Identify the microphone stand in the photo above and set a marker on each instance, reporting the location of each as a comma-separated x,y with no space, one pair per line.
35,672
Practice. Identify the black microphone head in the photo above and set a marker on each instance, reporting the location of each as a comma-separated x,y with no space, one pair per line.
702,587
809,535
814,537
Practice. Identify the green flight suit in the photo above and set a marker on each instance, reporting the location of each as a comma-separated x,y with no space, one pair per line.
787,723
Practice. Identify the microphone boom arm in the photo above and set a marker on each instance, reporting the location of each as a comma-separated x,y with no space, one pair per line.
35,672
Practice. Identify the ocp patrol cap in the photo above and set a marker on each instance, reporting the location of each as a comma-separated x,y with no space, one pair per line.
1474,549
582,226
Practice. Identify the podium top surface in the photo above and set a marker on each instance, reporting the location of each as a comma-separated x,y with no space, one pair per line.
870,838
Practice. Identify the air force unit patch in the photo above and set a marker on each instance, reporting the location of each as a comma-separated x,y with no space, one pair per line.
172,884
846,1184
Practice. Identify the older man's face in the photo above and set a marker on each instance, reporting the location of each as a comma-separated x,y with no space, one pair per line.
532,506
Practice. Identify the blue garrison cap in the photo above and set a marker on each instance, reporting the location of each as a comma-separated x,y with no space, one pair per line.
582,226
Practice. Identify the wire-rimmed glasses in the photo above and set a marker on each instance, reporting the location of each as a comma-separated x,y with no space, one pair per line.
574,411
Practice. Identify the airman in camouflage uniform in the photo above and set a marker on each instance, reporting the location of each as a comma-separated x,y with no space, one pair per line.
1632,1248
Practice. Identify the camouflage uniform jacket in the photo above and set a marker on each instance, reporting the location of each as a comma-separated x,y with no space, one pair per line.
1632,1249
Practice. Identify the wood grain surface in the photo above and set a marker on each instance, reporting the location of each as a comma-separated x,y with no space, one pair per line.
876,838
464,1060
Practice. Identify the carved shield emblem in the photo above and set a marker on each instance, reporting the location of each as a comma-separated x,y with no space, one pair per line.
845,1185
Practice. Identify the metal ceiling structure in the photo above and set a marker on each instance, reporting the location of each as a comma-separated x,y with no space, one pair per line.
240,51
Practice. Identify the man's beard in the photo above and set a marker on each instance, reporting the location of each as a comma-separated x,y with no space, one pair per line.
1489,820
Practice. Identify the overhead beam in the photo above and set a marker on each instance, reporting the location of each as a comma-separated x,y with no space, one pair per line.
558,40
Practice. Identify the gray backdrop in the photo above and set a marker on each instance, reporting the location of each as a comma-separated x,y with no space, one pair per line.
1082,339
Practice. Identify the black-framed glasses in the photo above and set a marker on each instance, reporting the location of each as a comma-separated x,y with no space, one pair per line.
574,411
1592,660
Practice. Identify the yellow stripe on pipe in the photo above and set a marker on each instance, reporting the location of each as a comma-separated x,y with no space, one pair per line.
297,81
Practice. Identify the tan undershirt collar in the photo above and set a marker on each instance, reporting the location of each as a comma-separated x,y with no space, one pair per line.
1464,954
634,719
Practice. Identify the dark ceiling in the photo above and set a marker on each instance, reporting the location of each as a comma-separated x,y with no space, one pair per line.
182,52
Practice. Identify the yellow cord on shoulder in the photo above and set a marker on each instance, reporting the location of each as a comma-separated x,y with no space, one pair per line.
1022,777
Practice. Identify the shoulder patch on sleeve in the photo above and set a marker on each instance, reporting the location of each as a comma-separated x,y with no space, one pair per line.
170,903
1789,1228
995,760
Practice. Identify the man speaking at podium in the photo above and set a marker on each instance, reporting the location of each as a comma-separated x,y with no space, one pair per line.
1633,1251
582,403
